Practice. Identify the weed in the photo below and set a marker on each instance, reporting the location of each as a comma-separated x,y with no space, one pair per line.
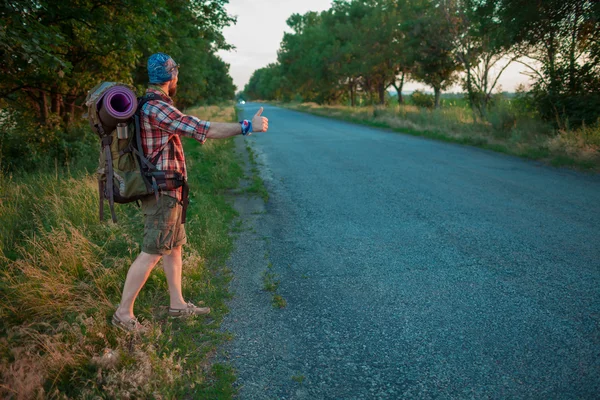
270,281
271,284
298,378
62,272
278,301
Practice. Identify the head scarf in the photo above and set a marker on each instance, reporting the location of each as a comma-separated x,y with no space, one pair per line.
161,68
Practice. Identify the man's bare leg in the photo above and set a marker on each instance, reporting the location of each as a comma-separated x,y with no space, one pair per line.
172,264
136,278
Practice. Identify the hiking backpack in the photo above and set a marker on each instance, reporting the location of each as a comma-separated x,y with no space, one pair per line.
125,174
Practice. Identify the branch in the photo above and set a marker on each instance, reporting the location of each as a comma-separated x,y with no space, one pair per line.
500,73
11,91
536,72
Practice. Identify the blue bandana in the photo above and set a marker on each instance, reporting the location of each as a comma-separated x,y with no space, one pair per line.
161,68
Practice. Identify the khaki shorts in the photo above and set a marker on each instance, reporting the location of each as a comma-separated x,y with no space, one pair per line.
163,229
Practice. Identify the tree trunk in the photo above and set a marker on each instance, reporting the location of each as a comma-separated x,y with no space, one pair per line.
352,100
55,100
36,103
399,89
551,53
437,91
470,91
43,107
69,110
381,92
400,98
573,46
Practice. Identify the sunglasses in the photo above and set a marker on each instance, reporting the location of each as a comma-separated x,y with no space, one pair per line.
176,66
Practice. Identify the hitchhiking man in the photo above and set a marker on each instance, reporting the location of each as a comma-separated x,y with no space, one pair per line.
164,235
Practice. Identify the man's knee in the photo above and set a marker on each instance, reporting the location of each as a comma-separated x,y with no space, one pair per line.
174,253
148,258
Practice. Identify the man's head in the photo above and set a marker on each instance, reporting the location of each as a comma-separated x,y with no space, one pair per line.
163,70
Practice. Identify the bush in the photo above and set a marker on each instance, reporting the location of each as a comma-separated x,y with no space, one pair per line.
297,98
27,146
423,100
503,119
569,111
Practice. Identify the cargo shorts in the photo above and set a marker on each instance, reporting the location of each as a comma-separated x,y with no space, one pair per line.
163,229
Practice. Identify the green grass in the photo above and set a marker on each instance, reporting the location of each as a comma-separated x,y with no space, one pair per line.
507,130
62,273
278,301
257,186
271,284
270,281
298,378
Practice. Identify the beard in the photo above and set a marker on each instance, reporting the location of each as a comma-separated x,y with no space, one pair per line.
172,91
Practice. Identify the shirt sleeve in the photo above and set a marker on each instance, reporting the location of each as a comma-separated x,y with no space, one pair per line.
170,119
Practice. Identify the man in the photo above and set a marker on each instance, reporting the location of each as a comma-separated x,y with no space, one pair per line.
164,234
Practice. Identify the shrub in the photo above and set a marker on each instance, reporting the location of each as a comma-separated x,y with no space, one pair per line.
503,119
420,99
27,146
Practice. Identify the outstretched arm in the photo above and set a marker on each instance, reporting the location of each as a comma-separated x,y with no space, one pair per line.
221,130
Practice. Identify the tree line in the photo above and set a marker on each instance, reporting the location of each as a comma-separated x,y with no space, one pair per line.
53,52
361,48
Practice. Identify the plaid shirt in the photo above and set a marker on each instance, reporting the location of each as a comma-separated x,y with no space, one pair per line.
159,121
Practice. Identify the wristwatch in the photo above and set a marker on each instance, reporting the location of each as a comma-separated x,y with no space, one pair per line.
246,126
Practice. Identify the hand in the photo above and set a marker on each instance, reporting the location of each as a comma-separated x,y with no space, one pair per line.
260,124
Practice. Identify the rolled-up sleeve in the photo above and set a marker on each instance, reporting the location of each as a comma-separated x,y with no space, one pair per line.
174,121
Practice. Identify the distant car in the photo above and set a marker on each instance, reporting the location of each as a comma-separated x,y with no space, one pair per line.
242,102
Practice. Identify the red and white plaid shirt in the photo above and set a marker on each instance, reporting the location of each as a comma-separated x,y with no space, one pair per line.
159,121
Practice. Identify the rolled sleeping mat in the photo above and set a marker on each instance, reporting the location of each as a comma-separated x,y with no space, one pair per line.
117,105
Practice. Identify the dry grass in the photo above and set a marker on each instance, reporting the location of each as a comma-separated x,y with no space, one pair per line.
506,129
61,273
216,113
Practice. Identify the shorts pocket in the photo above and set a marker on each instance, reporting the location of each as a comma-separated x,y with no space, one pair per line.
150,206
158,241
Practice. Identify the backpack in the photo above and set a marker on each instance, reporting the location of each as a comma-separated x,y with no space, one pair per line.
124,173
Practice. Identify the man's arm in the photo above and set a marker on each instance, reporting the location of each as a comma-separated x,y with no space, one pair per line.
221,130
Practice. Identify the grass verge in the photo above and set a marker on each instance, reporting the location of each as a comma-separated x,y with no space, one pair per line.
506,130
257,185
61,276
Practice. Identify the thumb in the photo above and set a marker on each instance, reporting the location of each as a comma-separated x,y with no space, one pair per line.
259,112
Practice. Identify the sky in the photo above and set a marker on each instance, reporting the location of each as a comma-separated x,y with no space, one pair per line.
259,31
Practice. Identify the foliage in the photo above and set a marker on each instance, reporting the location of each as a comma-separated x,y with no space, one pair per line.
54,51
431,36
562,37
420,99
354,51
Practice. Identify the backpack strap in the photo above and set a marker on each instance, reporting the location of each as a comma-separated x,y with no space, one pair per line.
185,200
106,142
138,150
142,101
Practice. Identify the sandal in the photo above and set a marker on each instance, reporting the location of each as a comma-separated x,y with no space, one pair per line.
133,325
190,310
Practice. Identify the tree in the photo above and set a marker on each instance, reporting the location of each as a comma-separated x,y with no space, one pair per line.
561,37
432,45
480,46
53,52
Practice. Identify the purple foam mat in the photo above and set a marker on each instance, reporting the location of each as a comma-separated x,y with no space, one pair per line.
119,102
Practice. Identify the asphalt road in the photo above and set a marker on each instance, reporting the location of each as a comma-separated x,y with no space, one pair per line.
413,269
